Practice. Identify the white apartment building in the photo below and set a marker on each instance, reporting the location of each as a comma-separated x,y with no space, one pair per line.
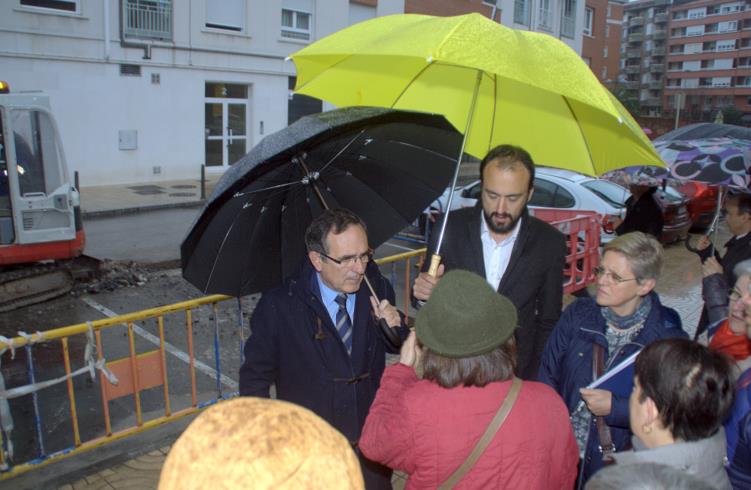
151,90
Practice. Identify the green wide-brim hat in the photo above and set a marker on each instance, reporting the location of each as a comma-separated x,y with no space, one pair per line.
465,317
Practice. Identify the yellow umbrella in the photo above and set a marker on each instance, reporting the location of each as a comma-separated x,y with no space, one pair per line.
497,85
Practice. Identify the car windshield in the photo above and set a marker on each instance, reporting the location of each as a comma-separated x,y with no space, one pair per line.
609,192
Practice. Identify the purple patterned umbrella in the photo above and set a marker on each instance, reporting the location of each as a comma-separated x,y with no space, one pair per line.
715,161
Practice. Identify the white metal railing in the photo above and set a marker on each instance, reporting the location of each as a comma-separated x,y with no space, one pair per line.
151,19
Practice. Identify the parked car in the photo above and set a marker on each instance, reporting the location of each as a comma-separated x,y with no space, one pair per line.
555,188
564,189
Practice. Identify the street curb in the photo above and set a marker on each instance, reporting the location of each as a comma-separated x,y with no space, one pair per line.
108,213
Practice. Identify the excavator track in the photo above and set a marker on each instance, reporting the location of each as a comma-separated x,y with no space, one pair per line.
30,285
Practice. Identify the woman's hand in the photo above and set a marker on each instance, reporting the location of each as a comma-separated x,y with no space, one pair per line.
410,353
598,402
387,311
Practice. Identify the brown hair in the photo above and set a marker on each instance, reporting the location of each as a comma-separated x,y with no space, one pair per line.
448,372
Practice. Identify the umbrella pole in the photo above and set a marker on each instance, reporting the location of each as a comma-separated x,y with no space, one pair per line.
435,259
715,223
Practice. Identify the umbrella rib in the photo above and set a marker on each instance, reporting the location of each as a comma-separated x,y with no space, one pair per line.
583,137
338,153
271,188
409,84
213,266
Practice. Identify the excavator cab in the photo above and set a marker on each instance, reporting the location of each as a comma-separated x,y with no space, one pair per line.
40,219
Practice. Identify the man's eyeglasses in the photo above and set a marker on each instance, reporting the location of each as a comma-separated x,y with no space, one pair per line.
616,278
350,260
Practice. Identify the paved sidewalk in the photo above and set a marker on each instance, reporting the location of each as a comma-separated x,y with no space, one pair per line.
111,200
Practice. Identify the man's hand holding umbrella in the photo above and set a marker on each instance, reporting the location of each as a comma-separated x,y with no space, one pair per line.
424,283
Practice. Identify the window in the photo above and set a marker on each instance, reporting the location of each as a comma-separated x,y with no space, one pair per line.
225,14
568,19
296,24
147,19
730,26
66,5
695,30
609,192
521,12
604,73
550,195
546,15
697,13
605,52
607,30
727,45
33,135
589,15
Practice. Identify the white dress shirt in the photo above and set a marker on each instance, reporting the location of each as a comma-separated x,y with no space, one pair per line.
496,255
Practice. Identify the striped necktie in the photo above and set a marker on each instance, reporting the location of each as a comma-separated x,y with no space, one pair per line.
343,323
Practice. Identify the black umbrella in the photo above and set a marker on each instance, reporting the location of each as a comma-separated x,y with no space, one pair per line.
385,165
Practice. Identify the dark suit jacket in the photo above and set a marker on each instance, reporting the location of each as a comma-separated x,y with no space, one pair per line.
295,345
533,280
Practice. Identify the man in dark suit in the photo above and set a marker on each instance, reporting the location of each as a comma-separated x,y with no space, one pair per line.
316,337
519,255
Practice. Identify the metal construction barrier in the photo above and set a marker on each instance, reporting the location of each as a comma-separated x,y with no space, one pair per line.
71,389
582,232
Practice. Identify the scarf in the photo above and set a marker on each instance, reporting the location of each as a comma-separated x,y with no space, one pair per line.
728,342
625,322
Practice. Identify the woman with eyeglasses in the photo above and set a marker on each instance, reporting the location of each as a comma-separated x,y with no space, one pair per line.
732,337
595,334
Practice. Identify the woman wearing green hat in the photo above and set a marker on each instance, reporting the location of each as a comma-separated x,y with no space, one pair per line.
448,428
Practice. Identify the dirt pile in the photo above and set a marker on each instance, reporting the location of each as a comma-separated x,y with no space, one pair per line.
113,275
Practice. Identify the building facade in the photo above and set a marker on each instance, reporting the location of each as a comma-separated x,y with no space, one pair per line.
601,43
559,18
643,53
151,90
709,58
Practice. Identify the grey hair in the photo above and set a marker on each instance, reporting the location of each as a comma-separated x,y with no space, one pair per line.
644,476
643,251
742,268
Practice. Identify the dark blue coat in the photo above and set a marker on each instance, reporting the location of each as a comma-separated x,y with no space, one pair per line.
567,364
738,430
295,345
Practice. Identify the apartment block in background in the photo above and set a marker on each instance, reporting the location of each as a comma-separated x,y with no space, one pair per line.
709,57
601,43
559,18
643,51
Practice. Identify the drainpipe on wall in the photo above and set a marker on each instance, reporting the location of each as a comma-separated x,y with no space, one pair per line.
107,30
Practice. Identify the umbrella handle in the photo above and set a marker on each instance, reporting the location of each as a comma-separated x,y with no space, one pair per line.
435,261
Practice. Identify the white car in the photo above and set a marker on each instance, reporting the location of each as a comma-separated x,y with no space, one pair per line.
555,188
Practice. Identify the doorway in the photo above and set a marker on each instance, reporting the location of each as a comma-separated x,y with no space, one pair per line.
226,123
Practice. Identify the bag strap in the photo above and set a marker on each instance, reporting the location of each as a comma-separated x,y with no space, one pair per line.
607,448
490,432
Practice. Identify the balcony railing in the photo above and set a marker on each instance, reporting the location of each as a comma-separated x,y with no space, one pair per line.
659,33
636,21
659,18
635,38
633,69
658,51
633,53
657,68
147,19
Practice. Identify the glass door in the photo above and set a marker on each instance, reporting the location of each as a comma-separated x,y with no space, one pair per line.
226,124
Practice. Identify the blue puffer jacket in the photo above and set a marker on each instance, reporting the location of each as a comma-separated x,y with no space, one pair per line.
567,364
738,430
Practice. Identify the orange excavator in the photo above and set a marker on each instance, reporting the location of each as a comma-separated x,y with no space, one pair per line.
41,233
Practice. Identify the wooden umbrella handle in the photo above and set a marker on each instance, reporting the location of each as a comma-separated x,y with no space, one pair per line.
435,261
